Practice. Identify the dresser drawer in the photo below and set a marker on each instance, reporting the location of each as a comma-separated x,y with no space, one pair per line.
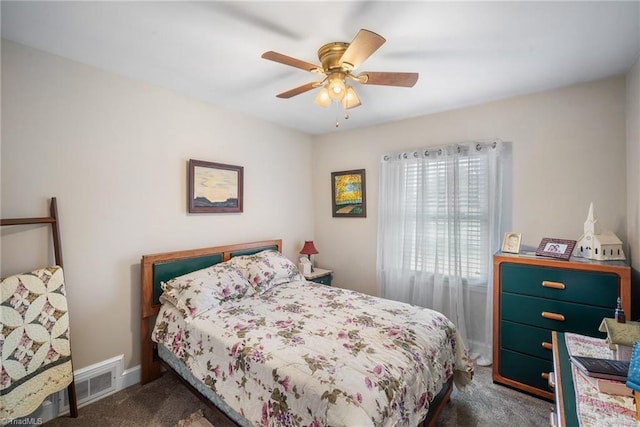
526,339
586,287
578,318
525,369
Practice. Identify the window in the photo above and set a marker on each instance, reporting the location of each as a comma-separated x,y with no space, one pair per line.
427,226
438,226
436,212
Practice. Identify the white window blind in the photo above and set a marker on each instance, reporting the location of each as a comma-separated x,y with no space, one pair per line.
436,211
428,229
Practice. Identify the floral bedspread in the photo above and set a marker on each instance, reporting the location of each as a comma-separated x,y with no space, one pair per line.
308,354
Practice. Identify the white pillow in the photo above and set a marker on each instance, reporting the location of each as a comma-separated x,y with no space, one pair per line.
199,291
266,269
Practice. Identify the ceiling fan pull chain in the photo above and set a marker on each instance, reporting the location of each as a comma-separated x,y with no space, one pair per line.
337,114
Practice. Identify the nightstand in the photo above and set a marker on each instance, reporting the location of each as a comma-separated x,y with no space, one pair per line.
320,275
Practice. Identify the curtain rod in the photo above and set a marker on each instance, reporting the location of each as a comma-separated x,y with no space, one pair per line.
437,149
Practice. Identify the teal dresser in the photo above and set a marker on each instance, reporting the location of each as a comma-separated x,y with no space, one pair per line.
533,296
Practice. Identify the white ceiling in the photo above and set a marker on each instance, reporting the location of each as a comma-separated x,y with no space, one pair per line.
466,53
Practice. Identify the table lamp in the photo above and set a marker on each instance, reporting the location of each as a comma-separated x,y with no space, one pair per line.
309,249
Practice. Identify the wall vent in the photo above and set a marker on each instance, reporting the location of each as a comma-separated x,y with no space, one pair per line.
94,382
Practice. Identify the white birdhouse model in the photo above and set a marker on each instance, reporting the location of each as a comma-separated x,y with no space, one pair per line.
593,244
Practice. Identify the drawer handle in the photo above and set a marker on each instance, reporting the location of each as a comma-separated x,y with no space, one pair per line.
546,345
551,379
553,316
554,285
545,376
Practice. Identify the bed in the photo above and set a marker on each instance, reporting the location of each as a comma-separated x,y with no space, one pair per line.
249,335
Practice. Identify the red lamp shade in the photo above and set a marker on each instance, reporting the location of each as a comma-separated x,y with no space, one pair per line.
308,248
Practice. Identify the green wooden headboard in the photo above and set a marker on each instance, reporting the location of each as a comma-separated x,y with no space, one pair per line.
164,271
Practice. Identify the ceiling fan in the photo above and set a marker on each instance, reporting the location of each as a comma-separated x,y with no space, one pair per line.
339,60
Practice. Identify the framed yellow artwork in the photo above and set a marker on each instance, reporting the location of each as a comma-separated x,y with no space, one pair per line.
348,194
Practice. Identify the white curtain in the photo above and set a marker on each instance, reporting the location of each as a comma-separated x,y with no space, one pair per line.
439,225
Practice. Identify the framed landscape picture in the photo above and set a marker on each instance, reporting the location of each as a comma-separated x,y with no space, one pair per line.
348,194
214,187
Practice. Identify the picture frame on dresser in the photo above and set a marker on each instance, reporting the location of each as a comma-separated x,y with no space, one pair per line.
511,242
556,248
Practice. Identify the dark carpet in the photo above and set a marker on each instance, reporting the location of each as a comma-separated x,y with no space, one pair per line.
166,401
487,404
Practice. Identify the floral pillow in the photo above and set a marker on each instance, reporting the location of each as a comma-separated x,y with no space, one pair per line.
198,291
266,269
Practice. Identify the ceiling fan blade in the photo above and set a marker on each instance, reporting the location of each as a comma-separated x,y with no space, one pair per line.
298,90
361,47
293,62
388,79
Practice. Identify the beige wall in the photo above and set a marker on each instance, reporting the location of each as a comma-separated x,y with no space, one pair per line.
114,152
633,168
568,149
633,180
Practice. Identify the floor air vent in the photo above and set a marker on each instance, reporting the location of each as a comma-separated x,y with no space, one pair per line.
94,382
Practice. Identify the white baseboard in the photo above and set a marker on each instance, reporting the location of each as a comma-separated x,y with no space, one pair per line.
129,377
54,407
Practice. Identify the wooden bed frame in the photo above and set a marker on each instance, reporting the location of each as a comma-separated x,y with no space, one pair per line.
164,266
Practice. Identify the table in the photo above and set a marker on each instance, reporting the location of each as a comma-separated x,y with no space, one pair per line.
320,275
576,401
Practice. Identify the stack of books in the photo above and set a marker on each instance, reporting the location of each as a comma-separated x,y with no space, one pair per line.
607,375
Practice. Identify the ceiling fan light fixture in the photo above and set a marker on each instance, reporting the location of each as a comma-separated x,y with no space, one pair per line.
351,99
339,60
323,99
337,86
